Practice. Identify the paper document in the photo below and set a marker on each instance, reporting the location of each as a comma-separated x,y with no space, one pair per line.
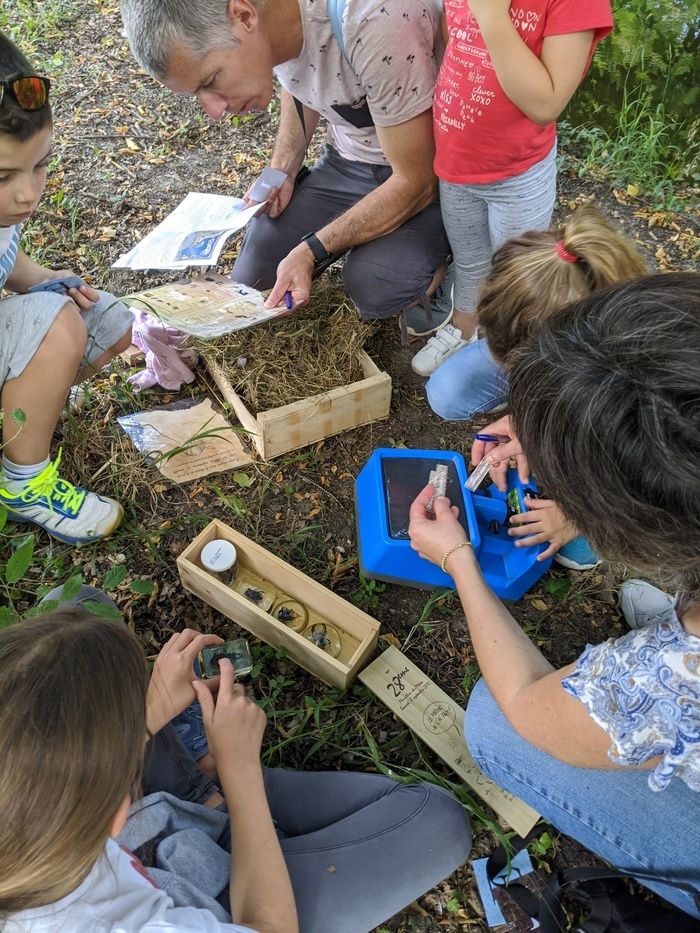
208,307
186,441
192,235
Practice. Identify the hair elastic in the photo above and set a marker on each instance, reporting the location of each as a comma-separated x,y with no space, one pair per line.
563,252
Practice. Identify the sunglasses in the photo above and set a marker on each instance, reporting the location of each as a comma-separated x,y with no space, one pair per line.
30,91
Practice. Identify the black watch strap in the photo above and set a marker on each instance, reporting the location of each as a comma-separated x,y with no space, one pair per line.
320,252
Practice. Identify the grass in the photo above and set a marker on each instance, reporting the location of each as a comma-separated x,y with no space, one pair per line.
642,152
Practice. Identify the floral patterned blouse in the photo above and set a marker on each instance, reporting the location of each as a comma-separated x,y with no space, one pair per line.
643,689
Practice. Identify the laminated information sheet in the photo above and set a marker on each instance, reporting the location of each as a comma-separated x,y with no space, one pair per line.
431,714
208,307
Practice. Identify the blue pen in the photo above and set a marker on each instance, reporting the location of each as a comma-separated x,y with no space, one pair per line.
494,438
288,300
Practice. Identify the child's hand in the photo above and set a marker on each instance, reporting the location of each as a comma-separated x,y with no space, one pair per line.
170,690
84,297
544,522
482,9
234,725
500,454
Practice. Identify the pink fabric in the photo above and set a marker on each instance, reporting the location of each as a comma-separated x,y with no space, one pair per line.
168,361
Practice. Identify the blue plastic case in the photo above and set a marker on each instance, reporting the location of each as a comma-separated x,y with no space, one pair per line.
384,490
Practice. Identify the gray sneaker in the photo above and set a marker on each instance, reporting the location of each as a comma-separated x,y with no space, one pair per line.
641,603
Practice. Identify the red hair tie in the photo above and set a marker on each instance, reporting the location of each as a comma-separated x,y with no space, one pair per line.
563,252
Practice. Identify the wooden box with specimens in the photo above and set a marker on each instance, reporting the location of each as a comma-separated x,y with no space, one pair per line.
323,633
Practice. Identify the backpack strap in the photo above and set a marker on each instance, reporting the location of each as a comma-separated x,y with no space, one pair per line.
336,8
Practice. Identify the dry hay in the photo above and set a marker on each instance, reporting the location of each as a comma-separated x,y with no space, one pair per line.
312,351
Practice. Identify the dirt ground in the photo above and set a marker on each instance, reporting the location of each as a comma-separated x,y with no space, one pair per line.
127,152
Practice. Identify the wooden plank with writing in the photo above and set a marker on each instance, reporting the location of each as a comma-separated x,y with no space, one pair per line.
437,719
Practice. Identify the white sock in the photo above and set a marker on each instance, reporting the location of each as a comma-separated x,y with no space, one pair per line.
17,475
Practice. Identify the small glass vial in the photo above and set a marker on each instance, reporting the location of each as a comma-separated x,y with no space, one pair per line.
325,636
291,613
219,559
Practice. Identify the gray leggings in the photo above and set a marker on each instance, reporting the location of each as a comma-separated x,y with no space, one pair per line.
480,218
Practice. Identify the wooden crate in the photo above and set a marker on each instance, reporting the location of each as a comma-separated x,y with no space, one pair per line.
289,427
359,631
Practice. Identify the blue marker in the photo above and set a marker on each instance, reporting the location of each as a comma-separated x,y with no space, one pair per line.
288,300
494,438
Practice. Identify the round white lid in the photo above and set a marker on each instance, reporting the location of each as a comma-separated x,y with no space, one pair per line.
218,555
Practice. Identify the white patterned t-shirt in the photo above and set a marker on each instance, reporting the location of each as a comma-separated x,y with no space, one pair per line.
643,689
388,80
9,245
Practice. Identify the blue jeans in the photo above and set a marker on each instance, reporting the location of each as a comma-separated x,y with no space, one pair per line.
467,383
613,813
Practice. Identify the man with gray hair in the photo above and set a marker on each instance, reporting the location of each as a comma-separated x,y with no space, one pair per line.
369,69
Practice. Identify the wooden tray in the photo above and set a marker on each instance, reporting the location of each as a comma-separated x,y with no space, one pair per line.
289,427
359,631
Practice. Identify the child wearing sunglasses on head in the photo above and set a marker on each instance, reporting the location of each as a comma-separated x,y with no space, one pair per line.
52,337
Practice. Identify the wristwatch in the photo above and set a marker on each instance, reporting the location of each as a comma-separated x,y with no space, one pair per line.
320,252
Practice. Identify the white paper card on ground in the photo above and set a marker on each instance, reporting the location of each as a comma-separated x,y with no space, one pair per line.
209,443
208,307
192,235
431,714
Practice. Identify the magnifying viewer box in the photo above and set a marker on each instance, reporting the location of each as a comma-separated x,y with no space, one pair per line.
384,490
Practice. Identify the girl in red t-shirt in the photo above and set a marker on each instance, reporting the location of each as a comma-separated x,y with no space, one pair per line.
507,73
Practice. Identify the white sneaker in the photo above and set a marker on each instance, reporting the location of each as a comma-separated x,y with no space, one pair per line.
440,347
641,603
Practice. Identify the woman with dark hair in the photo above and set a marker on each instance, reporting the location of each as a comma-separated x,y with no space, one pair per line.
605,404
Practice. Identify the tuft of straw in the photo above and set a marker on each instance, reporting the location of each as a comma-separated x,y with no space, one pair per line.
313,350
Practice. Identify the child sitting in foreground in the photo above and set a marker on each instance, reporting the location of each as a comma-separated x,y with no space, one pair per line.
50,341
532,277
76,715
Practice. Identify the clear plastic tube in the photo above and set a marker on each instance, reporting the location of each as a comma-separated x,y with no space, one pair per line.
477,475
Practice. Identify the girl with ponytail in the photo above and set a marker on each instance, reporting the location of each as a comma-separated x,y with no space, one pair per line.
532,276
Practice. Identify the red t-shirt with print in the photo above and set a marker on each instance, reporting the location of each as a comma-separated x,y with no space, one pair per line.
480,135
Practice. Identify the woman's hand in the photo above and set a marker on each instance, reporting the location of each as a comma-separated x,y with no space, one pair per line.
234,725
498,455
434,533
170,690
544,522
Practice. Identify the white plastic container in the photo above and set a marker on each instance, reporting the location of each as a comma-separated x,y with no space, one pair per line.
219,559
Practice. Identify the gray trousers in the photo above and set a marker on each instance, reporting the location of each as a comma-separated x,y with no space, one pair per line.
480,218
381,277
358,847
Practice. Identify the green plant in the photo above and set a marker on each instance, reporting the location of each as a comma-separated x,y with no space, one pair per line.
643,149
367,593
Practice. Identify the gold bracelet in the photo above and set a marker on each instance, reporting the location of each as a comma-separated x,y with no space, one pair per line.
449,554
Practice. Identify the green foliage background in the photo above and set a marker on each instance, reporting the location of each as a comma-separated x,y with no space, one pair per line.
655,47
